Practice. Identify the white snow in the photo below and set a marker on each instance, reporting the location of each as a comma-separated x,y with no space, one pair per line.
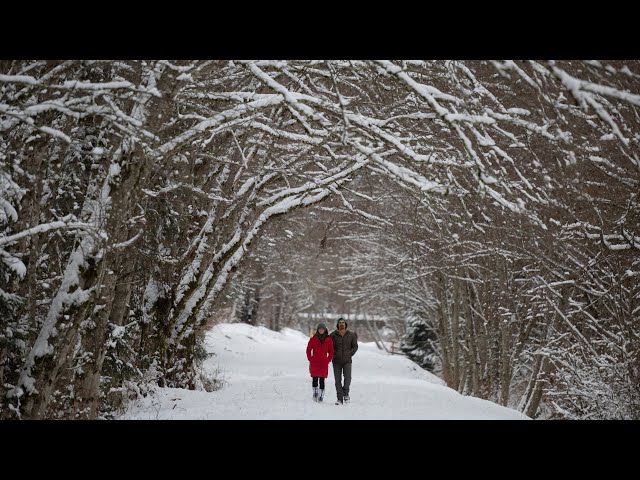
518,111
114,169
66,221
55,133
16,265
185,76
7,211
266,376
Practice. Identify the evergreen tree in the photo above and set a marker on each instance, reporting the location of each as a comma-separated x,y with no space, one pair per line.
418,343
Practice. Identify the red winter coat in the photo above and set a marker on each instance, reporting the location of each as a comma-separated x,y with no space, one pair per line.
320,356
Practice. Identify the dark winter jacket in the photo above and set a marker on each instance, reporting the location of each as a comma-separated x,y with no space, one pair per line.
320,354
345,346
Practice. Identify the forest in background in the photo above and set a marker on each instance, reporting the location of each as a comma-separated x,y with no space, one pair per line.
489,207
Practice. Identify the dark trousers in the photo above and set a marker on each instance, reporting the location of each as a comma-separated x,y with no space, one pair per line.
338,371
314,382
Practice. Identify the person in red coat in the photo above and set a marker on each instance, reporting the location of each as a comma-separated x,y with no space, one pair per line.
320,354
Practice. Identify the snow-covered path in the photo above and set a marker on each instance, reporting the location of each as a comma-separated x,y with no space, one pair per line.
266,377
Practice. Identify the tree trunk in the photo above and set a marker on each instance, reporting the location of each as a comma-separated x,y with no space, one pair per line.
505,365
472,342
443,332
455,326
532,405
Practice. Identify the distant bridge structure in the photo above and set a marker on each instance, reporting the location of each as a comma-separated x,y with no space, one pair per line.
309,321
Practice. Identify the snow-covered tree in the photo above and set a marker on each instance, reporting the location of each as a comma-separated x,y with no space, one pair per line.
499,198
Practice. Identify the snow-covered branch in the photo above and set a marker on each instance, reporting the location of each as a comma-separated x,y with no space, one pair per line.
69,221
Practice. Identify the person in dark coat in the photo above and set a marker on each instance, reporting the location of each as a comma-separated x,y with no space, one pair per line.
345,344
319,354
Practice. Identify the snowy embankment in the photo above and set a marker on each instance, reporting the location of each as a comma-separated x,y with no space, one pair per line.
266,376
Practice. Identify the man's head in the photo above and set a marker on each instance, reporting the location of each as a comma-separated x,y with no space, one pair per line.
342,324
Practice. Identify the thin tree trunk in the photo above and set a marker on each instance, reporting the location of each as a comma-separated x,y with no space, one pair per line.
505,365
472,342
443,332
532,405
455,325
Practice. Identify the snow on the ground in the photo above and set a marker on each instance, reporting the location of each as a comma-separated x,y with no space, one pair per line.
266,376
